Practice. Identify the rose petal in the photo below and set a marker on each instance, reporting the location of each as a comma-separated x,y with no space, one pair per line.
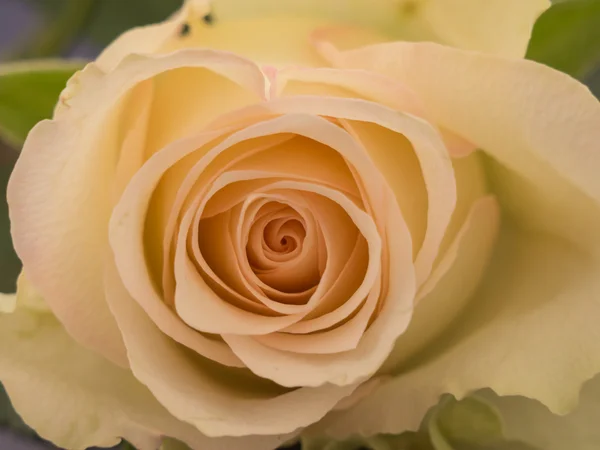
78,399
452,283
529,421
434,160
376,343
214,315
217,401
550,152
501,27
538,290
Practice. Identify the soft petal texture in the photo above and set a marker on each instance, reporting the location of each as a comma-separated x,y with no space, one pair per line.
436,165
551,152
278,31
81,399
218,401
529,421
502,27
451,285
46,210
538,290
8,302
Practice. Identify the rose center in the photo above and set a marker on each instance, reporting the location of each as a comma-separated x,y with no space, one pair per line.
276,249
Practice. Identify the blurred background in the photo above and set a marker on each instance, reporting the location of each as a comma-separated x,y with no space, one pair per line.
566,37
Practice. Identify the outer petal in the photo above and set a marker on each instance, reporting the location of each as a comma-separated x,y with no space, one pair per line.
277,31
540,125
77,399
502,27
530,330
219,401
531,422
60,192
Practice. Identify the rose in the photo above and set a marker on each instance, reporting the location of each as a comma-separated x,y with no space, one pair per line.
298,241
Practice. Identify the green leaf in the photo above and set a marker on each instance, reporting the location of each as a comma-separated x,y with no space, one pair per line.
113,17
9,418
567,37
9,263
28,93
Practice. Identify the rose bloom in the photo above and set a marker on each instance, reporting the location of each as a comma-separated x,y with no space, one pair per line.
259,219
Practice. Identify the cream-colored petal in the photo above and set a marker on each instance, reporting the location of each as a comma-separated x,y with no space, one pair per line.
446,293
293,81
496,26
395,158
540,125
274,32
126,237
529,421
77,399
217,400
502,27
8,302
529,330
278,32
348,83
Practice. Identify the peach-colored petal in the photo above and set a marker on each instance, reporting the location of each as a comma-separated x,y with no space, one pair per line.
344,337
346,367
126,238
222,317
433,158
432,154
217,401
308,126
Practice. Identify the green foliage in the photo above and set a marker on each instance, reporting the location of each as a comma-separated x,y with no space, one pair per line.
28,93
113,17
9,263
567,37
468,424
8,416
110,18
